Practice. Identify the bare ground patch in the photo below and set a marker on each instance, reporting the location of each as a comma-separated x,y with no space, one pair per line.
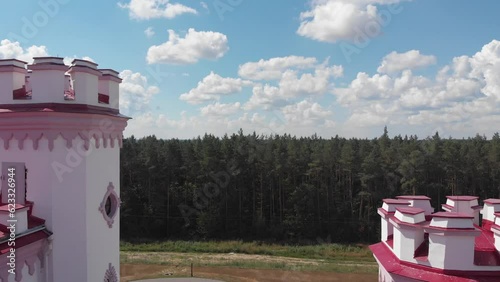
241,267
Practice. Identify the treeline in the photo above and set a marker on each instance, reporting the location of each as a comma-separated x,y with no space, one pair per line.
291,189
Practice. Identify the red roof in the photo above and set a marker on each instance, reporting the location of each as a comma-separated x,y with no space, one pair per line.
462,198
413,197
485,254
6,207
57,107
24,240
492,201
425,273
409,210
451,215
395,202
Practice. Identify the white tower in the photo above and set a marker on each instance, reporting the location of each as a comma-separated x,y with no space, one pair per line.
61,132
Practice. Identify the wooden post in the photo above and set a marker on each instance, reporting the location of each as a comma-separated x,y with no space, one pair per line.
191,269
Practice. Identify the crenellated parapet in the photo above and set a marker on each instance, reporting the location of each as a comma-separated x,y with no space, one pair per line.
418,244
49,80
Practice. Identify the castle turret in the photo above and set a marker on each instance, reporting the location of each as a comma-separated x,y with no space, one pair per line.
12,80
109,83
463,204
85,76
419,201
490,207
451,240
44,70
60,145
387,211
408,231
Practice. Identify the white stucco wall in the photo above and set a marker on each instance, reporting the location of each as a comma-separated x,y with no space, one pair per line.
451,252
406,241
44,92
387,229
86,88
83,244
102,241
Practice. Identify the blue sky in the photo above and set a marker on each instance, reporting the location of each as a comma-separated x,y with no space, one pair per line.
282,66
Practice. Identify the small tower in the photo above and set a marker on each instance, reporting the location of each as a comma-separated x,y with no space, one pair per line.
61,132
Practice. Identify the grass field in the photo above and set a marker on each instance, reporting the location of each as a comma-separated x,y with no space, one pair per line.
176,257
330,252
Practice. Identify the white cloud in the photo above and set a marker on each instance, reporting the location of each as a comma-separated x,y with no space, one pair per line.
153,9
336,20
14,50
68,60
265,97
212,87
204,5
292,85
194,46
273,68
305,113
461,94
149,32
135,93
395,62
219,109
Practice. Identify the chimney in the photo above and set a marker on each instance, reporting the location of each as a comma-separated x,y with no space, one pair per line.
18,215
490,207
13,189
495,228
12,79
463,204
386,211
419,201
451,240
85,77
408,231
109,84
47,79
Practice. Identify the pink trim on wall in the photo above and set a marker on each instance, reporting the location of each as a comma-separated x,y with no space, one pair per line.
110,275
28,249
115,205
84,69
462,198
35,126
451,215
13,69
110,77
57,107
56,67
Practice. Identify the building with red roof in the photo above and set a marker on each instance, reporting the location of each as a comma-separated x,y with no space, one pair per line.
418,244
60,137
